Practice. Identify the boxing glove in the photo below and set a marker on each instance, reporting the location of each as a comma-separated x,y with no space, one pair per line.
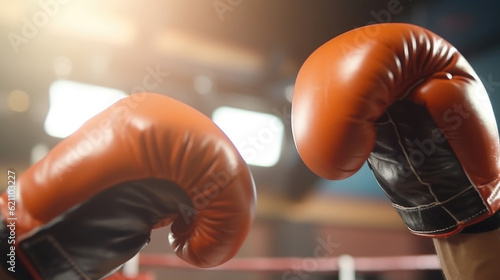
407,101
146,162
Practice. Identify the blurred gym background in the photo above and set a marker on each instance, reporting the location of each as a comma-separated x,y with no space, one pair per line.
230,59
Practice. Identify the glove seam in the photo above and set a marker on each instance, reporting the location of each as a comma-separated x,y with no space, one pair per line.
68,258
494,194
489,224
412,168
63,253
432,231
430,205
444,229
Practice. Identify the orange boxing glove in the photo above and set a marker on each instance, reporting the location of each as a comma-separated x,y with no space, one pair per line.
407,101
143,163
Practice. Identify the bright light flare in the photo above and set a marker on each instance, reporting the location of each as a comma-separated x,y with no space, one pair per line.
72,104
257,136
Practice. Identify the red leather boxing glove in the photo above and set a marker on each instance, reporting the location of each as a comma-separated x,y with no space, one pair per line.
408,101
143,163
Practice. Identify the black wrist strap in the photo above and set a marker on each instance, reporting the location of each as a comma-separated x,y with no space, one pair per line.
489,224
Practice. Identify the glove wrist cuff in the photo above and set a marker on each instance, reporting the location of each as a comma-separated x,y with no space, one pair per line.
489,224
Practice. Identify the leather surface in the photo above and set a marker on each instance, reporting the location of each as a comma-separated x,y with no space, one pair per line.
148,136
99,235
349,83
419,172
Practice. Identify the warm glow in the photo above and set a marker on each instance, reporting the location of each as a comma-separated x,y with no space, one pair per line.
19,101
93,26
192,48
